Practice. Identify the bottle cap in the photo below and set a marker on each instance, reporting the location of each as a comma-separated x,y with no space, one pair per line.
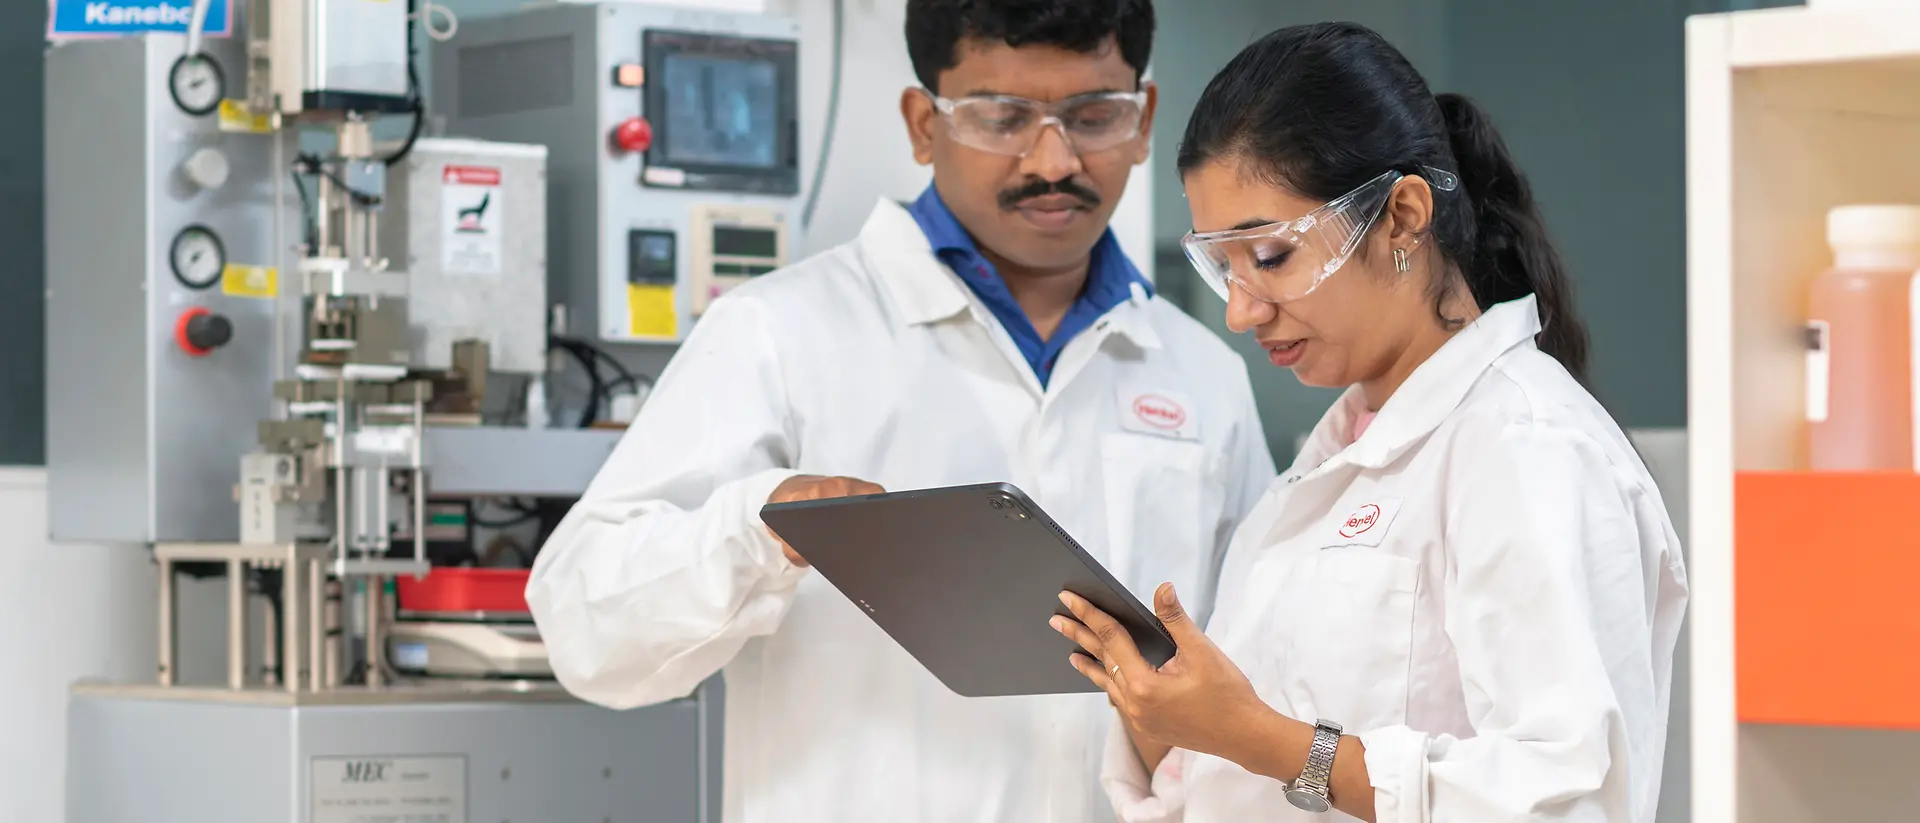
1888,227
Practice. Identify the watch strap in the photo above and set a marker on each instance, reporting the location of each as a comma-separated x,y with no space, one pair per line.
1318,772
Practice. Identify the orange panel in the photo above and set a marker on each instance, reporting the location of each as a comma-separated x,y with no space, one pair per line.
1827,598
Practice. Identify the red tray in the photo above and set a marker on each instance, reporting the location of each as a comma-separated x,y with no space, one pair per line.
465,590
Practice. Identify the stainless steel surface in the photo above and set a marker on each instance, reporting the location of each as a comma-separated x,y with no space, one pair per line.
143,757
497,461
541,75
143,440
504,305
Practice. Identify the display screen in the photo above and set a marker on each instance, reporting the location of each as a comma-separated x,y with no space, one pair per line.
746,242
721,111
650,257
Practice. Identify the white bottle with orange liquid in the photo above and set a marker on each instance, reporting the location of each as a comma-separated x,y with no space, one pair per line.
1860,342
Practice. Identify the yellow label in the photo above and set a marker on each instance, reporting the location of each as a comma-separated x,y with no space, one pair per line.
235,117
250,281
651,310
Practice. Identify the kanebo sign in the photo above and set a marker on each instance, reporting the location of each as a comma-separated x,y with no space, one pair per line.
109,18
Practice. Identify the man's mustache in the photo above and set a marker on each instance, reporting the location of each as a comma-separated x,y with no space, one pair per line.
1012,198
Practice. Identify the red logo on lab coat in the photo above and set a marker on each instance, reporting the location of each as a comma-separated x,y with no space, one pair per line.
1159,412
1360,521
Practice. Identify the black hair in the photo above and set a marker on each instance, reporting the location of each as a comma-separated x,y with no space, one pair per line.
1321,109
936,27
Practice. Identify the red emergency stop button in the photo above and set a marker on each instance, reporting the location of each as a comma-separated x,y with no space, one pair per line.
199,331
634,134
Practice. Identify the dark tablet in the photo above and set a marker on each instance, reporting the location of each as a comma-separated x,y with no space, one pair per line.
964,579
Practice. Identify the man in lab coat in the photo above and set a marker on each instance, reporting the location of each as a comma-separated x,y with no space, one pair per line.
991,330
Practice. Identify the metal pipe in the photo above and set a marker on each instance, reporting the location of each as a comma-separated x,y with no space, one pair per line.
236,625
374,599
290,619
166,648
316,628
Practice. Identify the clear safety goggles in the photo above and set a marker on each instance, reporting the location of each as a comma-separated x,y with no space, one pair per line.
1012,125
1279,262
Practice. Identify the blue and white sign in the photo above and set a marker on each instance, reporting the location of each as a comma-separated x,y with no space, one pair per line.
110,18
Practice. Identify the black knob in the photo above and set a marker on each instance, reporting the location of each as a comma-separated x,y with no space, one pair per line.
207,332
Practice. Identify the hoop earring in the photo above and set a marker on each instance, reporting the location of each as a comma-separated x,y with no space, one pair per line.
1400,262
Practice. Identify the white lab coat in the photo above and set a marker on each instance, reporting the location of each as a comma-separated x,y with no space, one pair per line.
873,360
1485,588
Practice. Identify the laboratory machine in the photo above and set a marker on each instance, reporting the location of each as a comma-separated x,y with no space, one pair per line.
308,363
673,138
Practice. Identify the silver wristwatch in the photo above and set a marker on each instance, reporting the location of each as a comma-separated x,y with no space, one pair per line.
1309,791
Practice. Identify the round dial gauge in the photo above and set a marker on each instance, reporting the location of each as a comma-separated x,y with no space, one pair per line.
198,257
197,84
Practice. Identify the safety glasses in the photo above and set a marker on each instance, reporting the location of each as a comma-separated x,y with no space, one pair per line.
1280,262
1012,125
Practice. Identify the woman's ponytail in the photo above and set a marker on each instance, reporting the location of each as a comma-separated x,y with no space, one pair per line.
1510,255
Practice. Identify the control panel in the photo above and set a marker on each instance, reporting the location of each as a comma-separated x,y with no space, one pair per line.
676,160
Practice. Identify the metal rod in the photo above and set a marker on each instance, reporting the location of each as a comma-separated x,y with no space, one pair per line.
335,629
279,247
419,480
338,459
374,598
323,214
360,529
316,628
290,619
166,648
236,625
382,534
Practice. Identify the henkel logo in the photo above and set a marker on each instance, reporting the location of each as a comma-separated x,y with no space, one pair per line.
471,175
1360,521
1159,412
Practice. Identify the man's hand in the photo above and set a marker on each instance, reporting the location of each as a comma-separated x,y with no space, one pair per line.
815,487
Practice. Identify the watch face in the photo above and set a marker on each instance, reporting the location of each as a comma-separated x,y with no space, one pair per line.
1308,801
197,84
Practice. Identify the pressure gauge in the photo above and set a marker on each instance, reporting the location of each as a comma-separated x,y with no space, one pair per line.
197,84
198,257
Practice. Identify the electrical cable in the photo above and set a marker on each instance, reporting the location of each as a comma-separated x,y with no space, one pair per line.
833,113
309,230
414,94
597,391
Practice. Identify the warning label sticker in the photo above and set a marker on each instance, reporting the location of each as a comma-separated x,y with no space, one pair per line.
470,220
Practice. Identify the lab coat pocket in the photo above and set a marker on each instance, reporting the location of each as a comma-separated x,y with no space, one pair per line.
1353,643
1162,506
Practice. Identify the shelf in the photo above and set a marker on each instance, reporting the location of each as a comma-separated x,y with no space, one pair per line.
1806,36
1827,615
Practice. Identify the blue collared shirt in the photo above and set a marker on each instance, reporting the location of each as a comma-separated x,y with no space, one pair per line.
1110,279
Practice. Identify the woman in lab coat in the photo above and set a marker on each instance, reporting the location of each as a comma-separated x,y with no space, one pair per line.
1461,602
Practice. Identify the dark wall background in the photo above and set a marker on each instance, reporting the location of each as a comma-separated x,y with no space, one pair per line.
23,27
1588,92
